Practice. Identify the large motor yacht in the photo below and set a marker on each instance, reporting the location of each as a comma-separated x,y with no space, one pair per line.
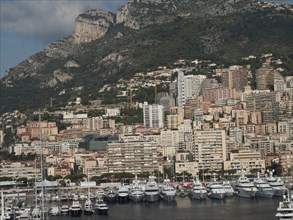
88,208
111,195
215,189
198,191
229,191
285,208
101,207
55,210
244,188
123,193
151,190
264,189
277,184
168,192
36,213
75,208
136,193
65,209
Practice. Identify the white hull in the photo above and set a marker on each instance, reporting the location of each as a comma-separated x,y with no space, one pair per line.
168,198
136,197
216,195
152,197
265,193
198,195
123,197
229,194
279,191
245,193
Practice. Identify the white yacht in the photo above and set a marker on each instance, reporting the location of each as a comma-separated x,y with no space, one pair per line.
277,184
215,189
75,209
101,207
198,191
75,197
82,196
111,195
100,193
168,192
151,190
64,197
285,209
88,208
136,193
36,213
123,193
244,188
23,216
55,210
65,210
264,189
229,191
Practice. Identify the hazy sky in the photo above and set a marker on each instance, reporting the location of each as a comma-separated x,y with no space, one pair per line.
27,26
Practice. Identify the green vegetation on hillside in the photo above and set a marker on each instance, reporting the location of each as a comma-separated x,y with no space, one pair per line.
223,40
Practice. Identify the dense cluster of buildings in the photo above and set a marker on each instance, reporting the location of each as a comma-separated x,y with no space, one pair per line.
201,124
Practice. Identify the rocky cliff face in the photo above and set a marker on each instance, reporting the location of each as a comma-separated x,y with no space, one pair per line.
92,25
138,14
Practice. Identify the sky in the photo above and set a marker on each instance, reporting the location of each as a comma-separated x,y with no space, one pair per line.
27,26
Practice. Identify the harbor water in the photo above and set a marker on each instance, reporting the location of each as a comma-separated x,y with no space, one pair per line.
186,209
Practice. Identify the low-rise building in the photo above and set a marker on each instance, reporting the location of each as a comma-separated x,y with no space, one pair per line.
246,160
184,163
22,169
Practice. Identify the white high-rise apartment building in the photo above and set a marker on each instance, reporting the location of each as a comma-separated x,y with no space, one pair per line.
153,116
188,87
169,141
132,157
210,149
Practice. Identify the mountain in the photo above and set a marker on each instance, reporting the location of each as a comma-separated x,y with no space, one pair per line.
140,36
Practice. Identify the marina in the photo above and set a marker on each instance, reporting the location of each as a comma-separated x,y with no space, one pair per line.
88,202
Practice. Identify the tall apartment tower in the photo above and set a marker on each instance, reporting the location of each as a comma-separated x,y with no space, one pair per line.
132,157
235,77
209,149
153,116
188,87
266,76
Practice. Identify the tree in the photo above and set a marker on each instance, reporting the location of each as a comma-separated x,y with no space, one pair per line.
76,177
8,137
277,167
255,170
22,180
5,178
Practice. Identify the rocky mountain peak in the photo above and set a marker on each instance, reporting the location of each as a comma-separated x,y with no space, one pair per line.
92,25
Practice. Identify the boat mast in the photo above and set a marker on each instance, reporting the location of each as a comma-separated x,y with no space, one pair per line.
42,176
36,190
2,206
89,198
